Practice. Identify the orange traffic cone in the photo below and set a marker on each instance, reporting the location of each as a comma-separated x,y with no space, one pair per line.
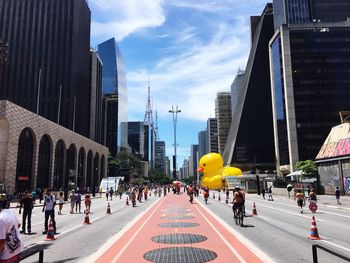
109,209
51,232
87,219
314,232
219,198
254,213
127,200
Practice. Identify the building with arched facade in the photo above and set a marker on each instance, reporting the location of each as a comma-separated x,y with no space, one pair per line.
38,153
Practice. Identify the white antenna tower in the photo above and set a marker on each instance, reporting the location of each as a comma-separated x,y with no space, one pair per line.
149,112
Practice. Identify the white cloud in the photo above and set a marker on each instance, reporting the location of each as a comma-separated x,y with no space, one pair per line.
121,18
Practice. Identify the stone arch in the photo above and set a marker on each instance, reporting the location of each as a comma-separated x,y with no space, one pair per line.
81,168
44,162
89,171
71,158
60,154
25,160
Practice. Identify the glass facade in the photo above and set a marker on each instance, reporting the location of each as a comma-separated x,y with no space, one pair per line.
298,11
114,81
138,139
49,45
330,10
321,79
160,158
279,100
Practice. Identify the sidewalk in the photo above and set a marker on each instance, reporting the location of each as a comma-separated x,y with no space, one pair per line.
173,230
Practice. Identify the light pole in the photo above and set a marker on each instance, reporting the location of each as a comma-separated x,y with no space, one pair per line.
174,112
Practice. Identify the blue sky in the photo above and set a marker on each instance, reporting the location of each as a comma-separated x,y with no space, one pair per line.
191,49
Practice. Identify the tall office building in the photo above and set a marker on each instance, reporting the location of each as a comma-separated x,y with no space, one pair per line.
194,160
202,143
235,87
138,139
167,169
47,68
250,139
160,158
212,129
95,129
114,84
223,115
309,61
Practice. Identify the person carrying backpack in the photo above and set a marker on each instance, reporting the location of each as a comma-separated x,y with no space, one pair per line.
49,208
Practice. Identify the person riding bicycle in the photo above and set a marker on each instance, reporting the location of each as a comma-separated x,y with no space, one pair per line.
206,193
238,200
190,192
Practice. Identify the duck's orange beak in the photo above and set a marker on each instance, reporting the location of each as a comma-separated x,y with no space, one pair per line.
200,170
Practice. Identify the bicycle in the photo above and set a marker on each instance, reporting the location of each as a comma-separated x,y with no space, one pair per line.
238,215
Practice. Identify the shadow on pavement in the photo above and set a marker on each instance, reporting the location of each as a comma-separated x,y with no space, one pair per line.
246,226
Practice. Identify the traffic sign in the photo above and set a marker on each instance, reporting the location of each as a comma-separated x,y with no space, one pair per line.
313,207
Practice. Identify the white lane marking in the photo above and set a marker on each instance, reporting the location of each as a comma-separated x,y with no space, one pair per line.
116,258
290,213
234,251
258,252
103,249
336,245
264,218
322,211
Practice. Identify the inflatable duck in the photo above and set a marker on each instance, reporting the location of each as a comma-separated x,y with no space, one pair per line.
212,167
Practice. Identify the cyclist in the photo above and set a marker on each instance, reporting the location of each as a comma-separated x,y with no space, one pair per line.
190,193
206,194
238,201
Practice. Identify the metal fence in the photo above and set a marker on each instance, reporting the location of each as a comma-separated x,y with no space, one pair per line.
328,256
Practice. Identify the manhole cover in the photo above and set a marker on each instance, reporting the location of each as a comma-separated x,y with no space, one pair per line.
174,212
176,217
178,238
180,254
178,224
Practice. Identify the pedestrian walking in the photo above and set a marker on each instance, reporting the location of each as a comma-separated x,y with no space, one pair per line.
270,193
263,192
27,204
133,197
10,239
111,191
107,194
87,202
60,203
40,195
34,195
312,195
300,197
72,201
337,195
49,208
77,202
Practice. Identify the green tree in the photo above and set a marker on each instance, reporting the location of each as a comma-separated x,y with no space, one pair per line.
308,167
124,159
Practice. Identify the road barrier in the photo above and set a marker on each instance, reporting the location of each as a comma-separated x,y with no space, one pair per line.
31,251
336,254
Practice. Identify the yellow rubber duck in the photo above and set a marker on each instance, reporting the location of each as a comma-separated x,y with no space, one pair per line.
212,167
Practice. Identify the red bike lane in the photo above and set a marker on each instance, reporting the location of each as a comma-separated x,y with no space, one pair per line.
174,230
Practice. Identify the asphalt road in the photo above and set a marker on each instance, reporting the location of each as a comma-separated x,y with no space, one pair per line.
75,240
282,232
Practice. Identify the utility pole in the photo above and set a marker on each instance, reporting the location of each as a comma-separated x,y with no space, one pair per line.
174,112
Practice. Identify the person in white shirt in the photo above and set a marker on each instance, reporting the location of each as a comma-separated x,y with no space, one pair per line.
11,244
49,208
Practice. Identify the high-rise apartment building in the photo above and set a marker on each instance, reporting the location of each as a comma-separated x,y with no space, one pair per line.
114,84
160,158
250,139
193,160
138,139
212,129
47,68
309,61
223,114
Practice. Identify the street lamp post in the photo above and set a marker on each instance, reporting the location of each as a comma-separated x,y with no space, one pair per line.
174,112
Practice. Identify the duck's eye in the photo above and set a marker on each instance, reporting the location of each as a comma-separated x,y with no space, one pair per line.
204,164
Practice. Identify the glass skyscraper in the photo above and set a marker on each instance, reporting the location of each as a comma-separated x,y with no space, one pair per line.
310,66
114,84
